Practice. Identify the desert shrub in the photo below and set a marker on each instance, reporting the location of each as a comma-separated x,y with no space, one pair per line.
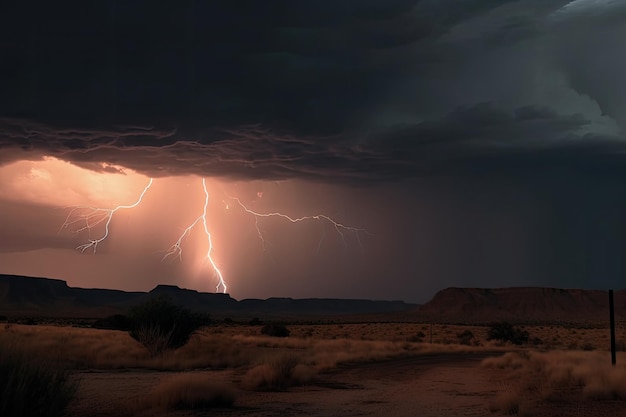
275,330
160,325
278,374
506,332
588,347
255,321
114,322
417,337
508,403
30,387
190,391
465,337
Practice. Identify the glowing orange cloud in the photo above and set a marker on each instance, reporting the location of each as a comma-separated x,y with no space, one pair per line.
54,182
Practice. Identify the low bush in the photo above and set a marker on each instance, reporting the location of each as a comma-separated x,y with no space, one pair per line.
416,338
506,332
465,337
114,322
588,347
160,325
275,330
255,321
278,374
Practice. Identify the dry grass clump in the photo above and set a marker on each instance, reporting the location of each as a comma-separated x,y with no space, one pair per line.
274,342
508,403
30,387
190,391
82,347
557,376
154,338
327,354
204,351
279,373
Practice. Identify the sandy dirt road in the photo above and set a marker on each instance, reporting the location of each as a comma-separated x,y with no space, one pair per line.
437,385
443,385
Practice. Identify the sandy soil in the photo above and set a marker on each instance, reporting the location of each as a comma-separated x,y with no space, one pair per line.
449,385
438,385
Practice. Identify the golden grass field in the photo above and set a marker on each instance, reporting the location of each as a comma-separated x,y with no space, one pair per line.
233,370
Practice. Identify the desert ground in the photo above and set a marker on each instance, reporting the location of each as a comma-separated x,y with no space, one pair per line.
336,369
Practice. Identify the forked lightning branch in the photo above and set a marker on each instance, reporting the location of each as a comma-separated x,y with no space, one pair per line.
88,219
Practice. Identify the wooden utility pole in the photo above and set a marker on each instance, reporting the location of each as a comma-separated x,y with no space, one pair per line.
612,323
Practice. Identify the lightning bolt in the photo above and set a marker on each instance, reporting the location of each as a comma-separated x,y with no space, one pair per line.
177,250
89,217
93,216
339,227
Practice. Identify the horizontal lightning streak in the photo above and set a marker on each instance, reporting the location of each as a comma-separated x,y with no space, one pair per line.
339,227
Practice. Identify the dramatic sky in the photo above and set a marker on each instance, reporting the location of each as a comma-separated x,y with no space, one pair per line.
476,143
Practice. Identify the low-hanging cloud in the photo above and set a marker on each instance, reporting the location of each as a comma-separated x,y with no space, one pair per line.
456,141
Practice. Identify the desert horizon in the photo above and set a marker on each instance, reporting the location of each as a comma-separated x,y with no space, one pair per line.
320,364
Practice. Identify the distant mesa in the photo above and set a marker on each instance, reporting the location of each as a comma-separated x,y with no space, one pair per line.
526,304
44,297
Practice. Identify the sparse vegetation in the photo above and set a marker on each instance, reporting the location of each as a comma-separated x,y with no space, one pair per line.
508,403
466,337
588,347
506,332
31,387
533,377
239,354
275,330
280,373
114,322
416,338
255,321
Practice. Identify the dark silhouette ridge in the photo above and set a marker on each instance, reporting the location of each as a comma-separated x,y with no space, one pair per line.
43,297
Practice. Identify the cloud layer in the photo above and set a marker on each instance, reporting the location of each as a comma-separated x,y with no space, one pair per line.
329,90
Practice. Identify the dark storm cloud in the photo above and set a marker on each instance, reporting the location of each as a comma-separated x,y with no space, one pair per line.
475,139
324,90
